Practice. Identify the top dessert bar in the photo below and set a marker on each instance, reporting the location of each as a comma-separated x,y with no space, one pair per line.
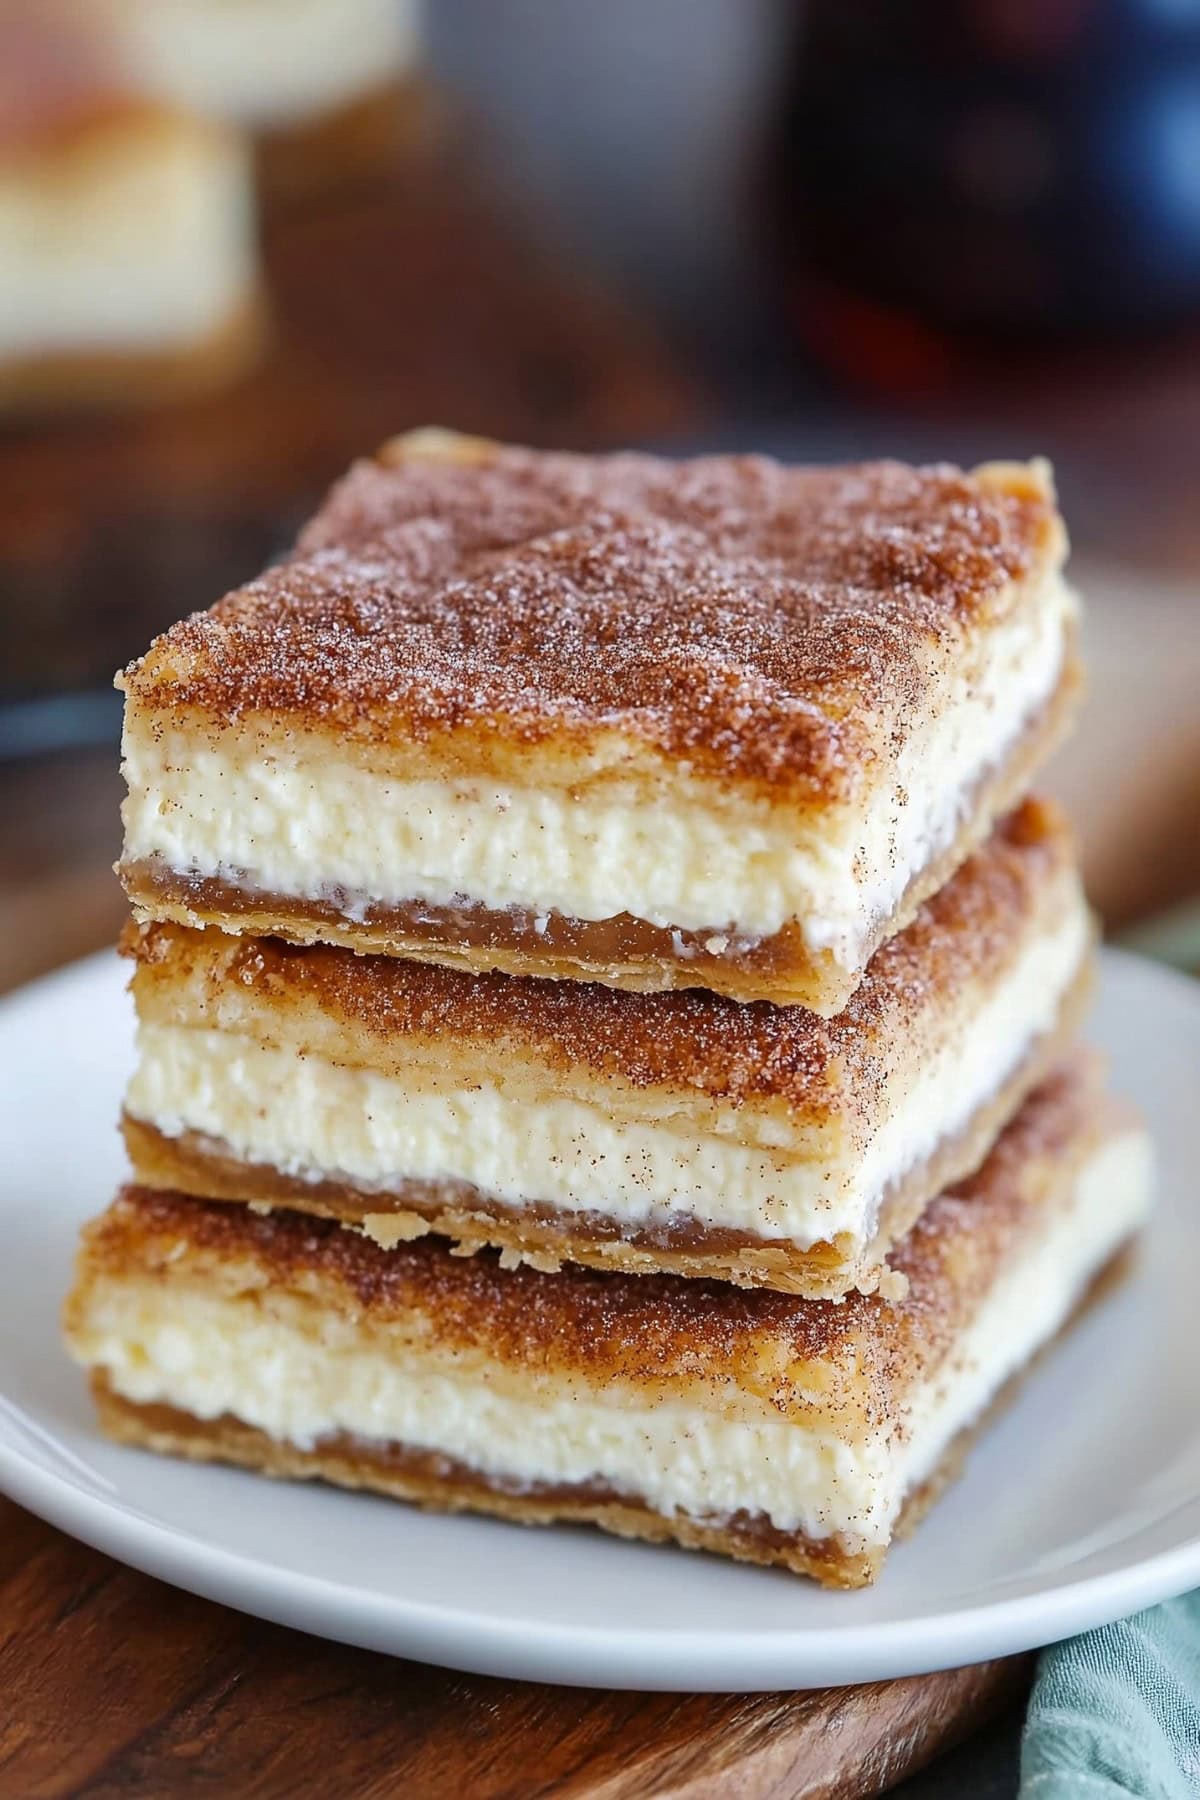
718,723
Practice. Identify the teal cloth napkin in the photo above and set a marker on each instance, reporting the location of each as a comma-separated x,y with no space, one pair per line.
1117,1711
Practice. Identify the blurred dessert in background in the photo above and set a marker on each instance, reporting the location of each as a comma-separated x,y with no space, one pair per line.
322,84
127,234
422,287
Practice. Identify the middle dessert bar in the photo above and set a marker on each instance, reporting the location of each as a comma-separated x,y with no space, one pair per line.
565,1121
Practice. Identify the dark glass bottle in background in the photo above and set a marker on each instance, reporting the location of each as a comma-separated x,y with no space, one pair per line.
960,182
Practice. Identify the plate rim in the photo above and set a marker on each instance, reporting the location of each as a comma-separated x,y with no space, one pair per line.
650,1658
615,1656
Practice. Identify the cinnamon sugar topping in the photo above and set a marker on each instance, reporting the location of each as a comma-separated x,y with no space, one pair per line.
766,622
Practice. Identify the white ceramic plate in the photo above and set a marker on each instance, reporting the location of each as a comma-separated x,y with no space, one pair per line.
1081,1505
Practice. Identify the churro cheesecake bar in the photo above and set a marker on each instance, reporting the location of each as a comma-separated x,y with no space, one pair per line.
766,1427
719,723
130,270
569,1121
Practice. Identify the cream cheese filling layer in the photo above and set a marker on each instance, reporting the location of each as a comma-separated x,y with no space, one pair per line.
210,1355
302,821
143,242
314,1119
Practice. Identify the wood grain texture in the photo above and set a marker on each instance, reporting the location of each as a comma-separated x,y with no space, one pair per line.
114,1684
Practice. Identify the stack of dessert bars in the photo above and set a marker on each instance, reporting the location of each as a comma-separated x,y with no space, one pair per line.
606,1003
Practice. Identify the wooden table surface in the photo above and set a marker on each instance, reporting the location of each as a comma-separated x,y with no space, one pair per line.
113,1684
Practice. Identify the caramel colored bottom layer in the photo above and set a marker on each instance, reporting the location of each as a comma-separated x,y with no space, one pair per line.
622,951
86,378
440,1484
546,1238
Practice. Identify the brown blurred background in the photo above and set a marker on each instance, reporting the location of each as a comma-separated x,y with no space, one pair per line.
827,231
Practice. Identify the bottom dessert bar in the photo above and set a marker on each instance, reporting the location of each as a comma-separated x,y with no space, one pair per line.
769,1428
436,1482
